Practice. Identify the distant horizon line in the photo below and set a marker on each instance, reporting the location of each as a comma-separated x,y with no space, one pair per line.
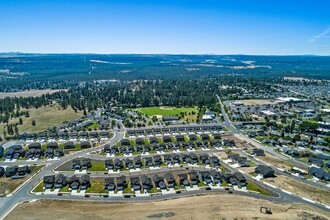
187,54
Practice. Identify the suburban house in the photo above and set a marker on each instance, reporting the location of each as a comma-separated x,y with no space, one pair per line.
179,137
240,178
23,170
217,136
316,171
135,183
137,162
204,159
146,182
157,160
265,171
241,161
76,164
60,181
193,158
129,163
52,145
69,145
74,182
153,140
205,136
11,171
206,177
183,179
170,118
193,177
216,176
215,161
85,144
258,152
192,137
166,139
118,164
59,152
159,182
148,162
121,183
125,142
85,182
49,181
86,163
109,164
109,184
170,180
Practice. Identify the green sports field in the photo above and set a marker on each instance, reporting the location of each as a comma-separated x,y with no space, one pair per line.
166,110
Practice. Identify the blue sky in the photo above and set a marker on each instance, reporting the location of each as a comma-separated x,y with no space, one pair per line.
172,26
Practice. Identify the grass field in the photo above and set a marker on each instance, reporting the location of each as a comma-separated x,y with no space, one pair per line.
44,117
170,111
97,166
97,186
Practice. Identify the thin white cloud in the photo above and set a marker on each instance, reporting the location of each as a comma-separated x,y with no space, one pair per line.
324,34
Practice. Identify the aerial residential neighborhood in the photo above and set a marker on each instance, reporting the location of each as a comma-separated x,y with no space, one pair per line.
164,109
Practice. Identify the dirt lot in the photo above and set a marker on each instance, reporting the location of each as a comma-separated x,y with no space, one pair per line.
300,188
28,93
256,102
239,143
268,158
8,185
220,206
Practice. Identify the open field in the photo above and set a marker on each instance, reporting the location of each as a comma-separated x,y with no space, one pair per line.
29,93
300,188
45,117
166,111
171,111
256,101
268,158
220,206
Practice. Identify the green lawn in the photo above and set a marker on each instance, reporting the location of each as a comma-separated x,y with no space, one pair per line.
166,110
93,126
97,166
97,186
253,187
40,187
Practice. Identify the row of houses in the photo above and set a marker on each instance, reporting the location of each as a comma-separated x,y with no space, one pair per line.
158,160
138,132
319,173
82,135
147,182
14,171
81,164
169,146
74,183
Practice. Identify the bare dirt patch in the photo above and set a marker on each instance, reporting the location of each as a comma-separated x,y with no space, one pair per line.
219,206
300,188
257,102
30,93
8,185
268,158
